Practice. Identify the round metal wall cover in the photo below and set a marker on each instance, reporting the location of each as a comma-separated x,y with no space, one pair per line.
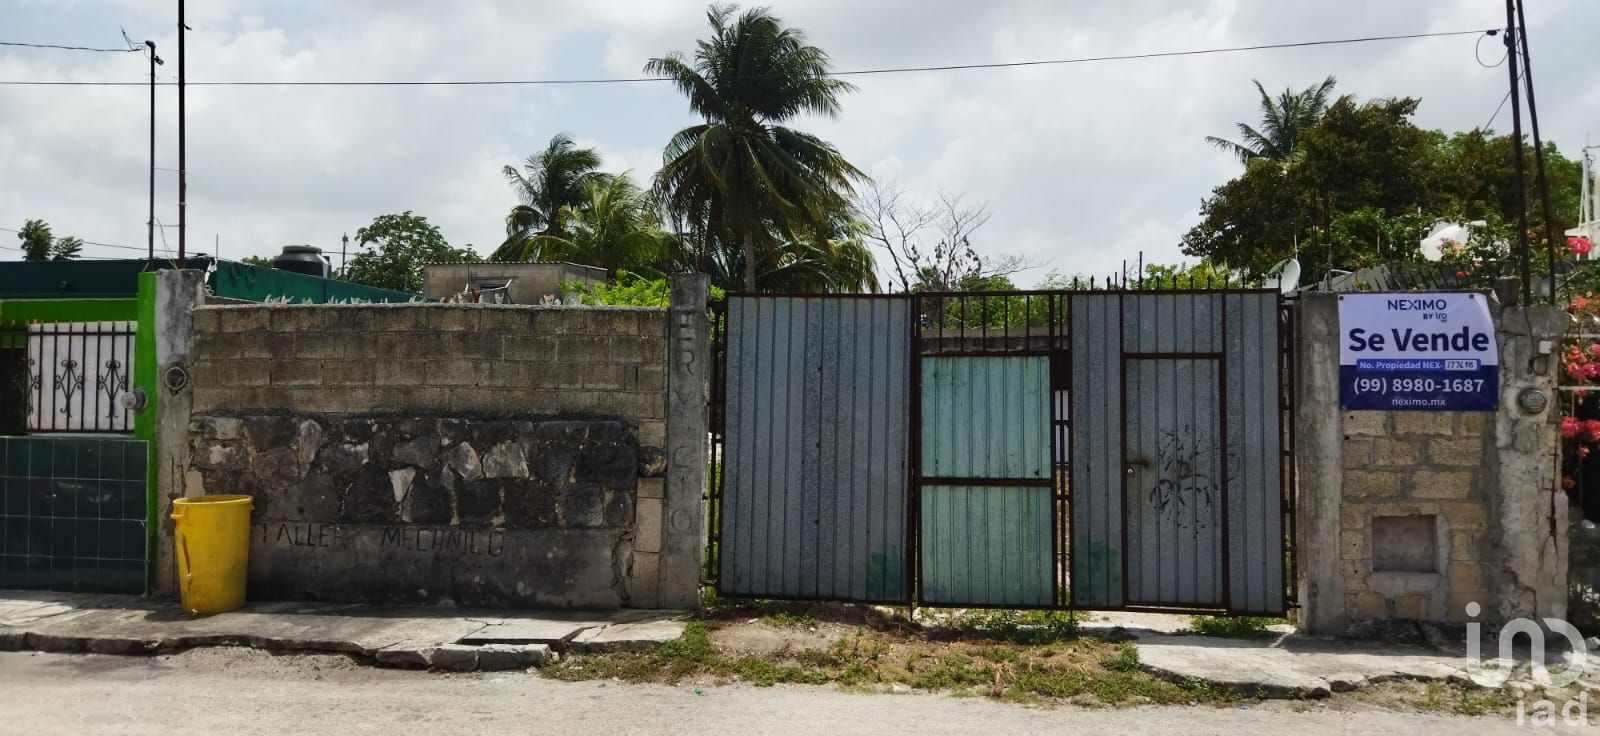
175,378
1532,400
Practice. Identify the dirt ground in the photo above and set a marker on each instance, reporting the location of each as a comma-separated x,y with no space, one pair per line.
248,692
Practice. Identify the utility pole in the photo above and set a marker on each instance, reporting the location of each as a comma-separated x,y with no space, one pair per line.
1516,148
151,225
1538,153
344,249
183,159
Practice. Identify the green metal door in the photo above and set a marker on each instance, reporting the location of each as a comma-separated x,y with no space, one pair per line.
986,513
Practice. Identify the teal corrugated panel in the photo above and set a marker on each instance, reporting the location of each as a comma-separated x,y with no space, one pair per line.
986,417
986,545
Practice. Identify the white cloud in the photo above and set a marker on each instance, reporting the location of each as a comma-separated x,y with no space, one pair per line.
1083,165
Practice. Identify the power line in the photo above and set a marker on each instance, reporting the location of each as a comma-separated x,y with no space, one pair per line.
74,258
1502,106
67,48
89,242
851,73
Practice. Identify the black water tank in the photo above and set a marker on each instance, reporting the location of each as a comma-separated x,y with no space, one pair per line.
306,259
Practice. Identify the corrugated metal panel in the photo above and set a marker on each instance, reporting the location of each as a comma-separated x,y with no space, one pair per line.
814,487
1255,519
986,417
986,545
1175,492
1203,521
1096,483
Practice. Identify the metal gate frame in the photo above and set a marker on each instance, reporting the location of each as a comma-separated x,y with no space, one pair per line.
1051,337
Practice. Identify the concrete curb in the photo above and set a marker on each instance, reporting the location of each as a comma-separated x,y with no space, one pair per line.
451,657
461,641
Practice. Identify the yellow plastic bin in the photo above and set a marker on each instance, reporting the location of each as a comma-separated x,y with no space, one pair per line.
213,551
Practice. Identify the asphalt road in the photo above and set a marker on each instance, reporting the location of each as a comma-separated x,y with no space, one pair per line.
233,691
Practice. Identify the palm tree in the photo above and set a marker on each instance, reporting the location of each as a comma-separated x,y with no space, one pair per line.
613,226
37,240
549,180
742,176
838,261
1283,121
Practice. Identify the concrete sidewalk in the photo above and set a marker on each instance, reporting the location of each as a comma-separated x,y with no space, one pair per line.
439,638
1290,664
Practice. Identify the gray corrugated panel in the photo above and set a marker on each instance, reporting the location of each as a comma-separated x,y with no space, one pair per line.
986,417
1255,543
986,545
1097,478
1174,494
886,575
814,489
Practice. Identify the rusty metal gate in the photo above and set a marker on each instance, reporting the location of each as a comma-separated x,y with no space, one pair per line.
1115,450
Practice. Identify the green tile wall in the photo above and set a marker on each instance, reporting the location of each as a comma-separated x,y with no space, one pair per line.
72,514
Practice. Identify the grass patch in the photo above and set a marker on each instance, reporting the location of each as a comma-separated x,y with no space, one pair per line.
982,659
1232,627
1124,659
782,614
1021,627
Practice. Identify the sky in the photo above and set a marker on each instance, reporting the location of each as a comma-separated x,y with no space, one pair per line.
1082,166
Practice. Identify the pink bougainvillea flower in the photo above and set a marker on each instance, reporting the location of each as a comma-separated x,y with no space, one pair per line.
1595,350
1593,428
1583,451
1568,483
1591,370
1580,244
1580,303
1570,427
1575,371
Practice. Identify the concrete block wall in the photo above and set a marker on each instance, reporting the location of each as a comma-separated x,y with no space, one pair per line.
380,364
1415,514
1413,522
435,357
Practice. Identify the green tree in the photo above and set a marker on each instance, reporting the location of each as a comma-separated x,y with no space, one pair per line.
1475,178
37,240
1283,122
66,249
742,179
613,226
549,181
394,247
262,261
1364,187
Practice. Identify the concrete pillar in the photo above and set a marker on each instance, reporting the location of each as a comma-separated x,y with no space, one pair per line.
177,294
1319,468
1525,493
688,371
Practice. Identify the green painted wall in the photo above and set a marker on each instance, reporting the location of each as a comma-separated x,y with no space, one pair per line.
24,311
258,284
145,369
108,279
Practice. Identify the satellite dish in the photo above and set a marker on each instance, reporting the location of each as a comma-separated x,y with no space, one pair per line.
1445,235
1284,275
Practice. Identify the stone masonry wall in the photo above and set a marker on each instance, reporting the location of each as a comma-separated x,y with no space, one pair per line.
476,454
1423,469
